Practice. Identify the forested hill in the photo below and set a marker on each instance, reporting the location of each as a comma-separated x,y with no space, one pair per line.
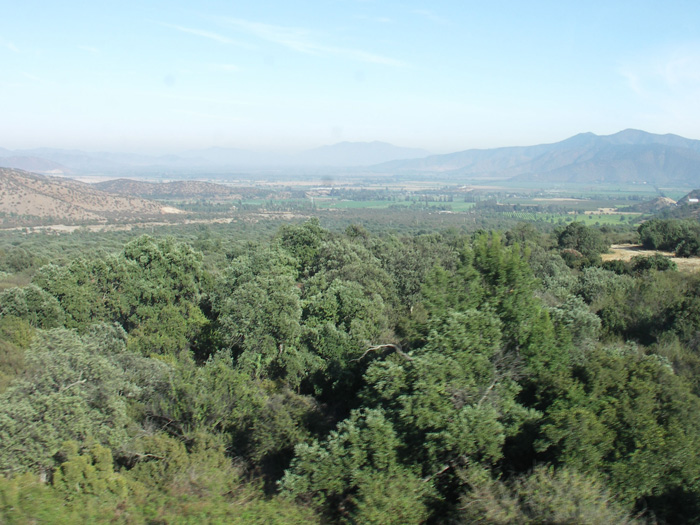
630,156
169,190
321,377
29,195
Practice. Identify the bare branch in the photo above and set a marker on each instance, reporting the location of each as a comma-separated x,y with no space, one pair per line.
438,473
78,382
396,348
146,456
486,393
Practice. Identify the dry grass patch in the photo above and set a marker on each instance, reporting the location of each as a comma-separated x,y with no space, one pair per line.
625,252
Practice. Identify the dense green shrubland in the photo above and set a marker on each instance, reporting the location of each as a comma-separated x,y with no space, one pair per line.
316,376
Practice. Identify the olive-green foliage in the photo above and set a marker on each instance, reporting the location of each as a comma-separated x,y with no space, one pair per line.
89,473
679,235
168,330
168,484
303,242
132,288
15,337
340,259
393,372
16,259
597,284
546,495
199,483
689,247
355,476
618,266
26,499
558,280
39,308
606,292
258,304
454,398
645,307
640,264
581,245
657,262
256,417
340,320
581,324
409,259
304,322
524,233
74,388
628,417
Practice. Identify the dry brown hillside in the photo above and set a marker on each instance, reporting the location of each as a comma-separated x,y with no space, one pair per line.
31,196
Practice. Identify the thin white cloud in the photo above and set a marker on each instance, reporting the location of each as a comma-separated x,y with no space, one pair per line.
12,84
677,72
226,67
667,83
9,46
206,100
633,80
681,70
206,34
299,40
90,49
426,13
376,19
204,115
34,78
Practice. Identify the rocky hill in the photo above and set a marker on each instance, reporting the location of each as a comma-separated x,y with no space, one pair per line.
25,196
652,206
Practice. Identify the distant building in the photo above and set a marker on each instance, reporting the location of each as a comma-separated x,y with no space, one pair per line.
693,201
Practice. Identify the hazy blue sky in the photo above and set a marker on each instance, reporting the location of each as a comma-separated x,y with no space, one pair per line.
283,75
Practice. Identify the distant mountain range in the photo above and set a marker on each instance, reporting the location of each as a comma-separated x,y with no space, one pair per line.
211,160
630,156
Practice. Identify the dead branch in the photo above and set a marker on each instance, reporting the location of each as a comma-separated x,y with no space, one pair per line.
78,382
438,473
396,348
139,457
486,393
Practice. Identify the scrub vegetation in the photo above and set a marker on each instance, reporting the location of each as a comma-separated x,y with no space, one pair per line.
323,372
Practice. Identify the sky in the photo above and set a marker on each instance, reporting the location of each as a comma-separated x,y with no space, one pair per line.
163,76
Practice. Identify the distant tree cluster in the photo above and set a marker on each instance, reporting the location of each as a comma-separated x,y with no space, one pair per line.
681,236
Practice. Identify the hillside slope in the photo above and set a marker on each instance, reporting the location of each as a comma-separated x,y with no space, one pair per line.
30,195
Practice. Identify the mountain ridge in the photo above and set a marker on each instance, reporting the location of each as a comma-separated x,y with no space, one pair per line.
629,156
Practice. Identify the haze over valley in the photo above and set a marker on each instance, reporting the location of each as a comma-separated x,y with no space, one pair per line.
629,156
